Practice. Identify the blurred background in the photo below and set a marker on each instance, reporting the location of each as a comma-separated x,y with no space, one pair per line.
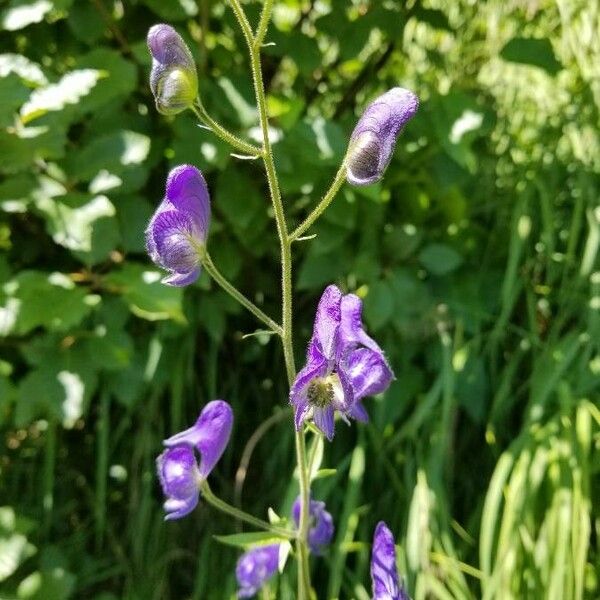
477,258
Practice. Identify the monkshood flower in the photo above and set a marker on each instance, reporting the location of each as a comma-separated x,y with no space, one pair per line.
178,468
173,78
343,365
374,137
384,574
321,527
255,567
176,235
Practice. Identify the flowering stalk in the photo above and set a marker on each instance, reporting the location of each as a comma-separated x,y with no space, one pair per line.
285,242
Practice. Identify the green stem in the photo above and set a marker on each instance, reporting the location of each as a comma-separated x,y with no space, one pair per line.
337,183
223,133
304,586
223,506
263,24
208,264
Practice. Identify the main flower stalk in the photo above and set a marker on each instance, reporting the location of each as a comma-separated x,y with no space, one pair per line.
285,242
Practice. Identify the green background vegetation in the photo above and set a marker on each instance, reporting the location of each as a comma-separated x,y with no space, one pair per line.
476,257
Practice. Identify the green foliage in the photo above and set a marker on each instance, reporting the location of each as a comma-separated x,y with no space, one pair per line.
476,256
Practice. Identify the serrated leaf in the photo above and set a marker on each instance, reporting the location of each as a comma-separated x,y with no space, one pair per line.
440,259
71,218
144,293
37,299
21,13
69,90
250,540
26,69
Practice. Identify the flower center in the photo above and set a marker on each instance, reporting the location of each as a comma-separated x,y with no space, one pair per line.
321,391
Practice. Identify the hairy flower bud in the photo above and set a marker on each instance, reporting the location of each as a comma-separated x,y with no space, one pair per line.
374,137
173,78
176,235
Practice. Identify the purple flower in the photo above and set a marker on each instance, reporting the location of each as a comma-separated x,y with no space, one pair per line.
177,232
343,365
374,137
255,567
386,583
179,472
173,78
321,525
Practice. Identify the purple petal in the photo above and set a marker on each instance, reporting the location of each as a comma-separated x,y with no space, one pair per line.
317,367
323,418
352,332
321,530
369,373
357,411
374,137
174,244
168,48
384,574
209,435
187,191
255,567
327,321
179,478
181,279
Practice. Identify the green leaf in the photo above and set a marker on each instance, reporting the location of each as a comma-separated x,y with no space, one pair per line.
115,153
12,95
537,52
69,90
440,259
21,13
174,10
30,72
72,220
36,299
84,22
145,295
51,584
379,304
250,540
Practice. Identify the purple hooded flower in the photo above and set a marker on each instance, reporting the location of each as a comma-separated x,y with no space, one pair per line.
178,469
384,574
374,137
321,527
343,366
255,567
173,78
177,232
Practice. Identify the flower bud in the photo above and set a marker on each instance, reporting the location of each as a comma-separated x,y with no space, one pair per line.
374,137
255,567
173,78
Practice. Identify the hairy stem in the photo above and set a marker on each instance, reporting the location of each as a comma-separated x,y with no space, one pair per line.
304,586
208,264
337,183
263,24
223,506
223,133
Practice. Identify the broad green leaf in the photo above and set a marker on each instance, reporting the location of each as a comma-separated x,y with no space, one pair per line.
537,52
27,70
12,95
440,259
20,13
51,584
69,90
174,10
250,540
35,299
71,218
146,296
379,304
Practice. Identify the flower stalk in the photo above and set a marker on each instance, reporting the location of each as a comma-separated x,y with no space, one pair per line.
223,506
